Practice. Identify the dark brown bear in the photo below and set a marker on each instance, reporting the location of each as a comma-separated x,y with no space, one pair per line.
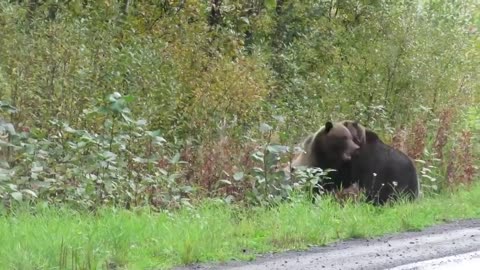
331,147
382,171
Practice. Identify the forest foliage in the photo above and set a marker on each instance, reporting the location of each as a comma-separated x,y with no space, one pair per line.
164,102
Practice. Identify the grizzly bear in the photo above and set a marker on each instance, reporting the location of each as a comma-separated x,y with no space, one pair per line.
358,156
381,170
331,147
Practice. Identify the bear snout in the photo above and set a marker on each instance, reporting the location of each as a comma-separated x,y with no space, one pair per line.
352,149
346,157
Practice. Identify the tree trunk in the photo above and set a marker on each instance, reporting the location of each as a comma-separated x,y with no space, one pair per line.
215,17
125,6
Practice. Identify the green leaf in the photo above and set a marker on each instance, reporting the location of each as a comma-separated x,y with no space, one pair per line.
117,106
126,117
7,107
36,167
7,128
258,156
238,176
128,98
279,118
139,160
110,156
141,122
4,173
68,129
223,181
275,148
265,128
270,4
17,196
114,97
245,19
175,159
30,192
6,144
154,133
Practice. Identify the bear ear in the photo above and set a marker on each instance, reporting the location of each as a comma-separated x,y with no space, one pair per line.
355,124
328,126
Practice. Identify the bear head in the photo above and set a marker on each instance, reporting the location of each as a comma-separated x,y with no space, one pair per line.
357,130
329,147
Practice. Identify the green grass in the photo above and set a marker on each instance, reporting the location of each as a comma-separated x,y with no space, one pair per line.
52,238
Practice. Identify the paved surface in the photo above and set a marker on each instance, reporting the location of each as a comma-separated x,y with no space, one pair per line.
467,261
408,250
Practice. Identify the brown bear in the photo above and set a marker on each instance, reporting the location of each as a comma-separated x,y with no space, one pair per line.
359,156
331,147
381,170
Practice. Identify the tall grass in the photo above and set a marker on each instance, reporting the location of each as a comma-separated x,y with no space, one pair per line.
60,238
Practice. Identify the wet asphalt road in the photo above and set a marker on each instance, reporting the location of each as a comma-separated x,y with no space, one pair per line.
467,261
408,250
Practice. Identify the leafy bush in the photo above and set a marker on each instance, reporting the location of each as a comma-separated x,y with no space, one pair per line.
203,78
115,165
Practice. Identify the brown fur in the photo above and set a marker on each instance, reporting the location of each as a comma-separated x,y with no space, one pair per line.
389,165
361,161
323,139
357,131
350,193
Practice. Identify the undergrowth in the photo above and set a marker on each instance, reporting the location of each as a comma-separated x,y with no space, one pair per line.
114,103
46,237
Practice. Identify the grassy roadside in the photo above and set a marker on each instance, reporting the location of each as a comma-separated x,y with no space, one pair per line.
66,239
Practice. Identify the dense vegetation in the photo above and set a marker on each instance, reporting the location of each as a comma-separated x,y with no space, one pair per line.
160,103
113,239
